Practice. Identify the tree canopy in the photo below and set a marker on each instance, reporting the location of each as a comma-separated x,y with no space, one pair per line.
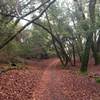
68,29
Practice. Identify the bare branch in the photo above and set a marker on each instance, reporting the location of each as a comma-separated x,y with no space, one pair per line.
32,21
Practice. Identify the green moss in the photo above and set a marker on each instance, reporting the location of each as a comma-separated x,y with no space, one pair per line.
97,79
83,72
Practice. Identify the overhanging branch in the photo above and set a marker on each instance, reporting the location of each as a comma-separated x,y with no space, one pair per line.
32,21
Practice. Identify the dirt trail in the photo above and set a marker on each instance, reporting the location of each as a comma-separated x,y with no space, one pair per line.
45,80
49,87
59,84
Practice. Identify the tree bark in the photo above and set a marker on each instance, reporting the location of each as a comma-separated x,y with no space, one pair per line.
85,58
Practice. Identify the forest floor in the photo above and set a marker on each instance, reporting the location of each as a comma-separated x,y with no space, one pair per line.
46,80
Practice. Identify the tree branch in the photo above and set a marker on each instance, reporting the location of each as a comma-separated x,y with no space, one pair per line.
32,21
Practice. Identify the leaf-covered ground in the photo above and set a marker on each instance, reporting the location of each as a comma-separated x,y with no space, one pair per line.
45,80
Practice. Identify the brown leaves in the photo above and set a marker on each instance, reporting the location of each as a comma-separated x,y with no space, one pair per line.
45,80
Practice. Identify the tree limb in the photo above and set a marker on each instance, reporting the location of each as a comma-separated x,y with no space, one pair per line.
32,21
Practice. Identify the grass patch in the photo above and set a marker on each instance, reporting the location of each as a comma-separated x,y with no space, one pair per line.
85,73
97,79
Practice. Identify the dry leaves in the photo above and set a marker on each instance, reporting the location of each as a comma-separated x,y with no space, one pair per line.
45,80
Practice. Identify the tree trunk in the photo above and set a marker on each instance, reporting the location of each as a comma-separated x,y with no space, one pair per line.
62,54
95,53
98,44
88,44
85,57
74,58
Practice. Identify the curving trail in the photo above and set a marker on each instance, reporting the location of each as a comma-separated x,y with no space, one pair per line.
59,84
49,87
45,80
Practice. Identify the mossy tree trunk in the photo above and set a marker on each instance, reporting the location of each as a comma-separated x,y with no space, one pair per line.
95,53
89,42
85,56
60,51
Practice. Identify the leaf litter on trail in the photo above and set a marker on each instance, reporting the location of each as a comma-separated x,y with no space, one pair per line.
49,81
